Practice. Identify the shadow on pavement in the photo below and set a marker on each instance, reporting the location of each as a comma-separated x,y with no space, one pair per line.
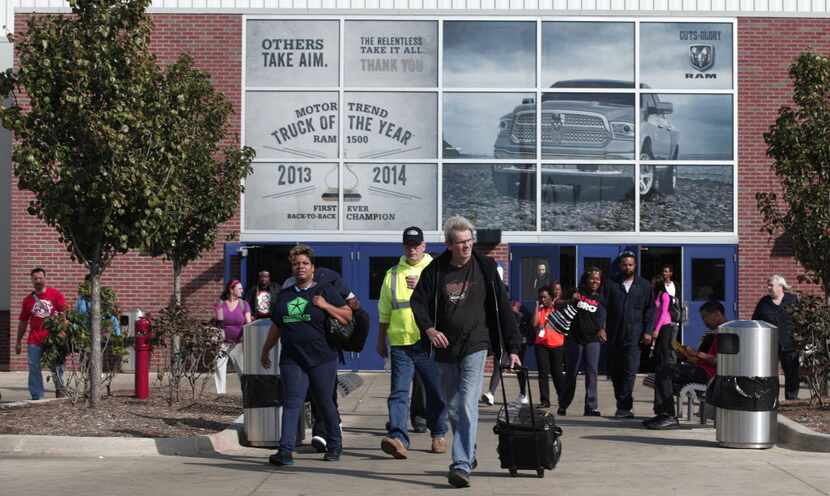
658,441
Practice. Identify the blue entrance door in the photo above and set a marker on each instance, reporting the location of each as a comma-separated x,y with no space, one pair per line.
601,256
709,273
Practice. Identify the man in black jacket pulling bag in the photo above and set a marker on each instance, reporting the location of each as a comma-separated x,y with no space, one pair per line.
460,304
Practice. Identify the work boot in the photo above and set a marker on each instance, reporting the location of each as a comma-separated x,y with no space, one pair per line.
393,446
439,445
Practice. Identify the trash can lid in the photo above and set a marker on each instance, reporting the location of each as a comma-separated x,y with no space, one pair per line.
745,324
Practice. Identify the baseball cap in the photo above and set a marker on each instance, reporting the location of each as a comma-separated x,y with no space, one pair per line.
413,235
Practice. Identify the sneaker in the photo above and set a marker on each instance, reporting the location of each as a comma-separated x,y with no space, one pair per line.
592,413
623,414
488,398
332,456
561,412
522,399
458,478
281,459
319,444
393,446
663,422
419,426
439,445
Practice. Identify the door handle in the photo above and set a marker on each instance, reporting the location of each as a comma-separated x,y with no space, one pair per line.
684,317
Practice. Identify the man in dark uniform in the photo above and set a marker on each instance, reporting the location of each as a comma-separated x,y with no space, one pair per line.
630,305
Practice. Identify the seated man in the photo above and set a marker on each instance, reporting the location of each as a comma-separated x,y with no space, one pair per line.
699,367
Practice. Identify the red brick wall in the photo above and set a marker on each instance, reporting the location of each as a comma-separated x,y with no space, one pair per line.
215,43
766,48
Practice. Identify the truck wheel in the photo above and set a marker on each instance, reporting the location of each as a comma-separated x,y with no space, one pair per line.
646,173
667,181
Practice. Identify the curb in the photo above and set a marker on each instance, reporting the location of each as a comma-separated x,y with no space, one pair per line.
794,436
210,444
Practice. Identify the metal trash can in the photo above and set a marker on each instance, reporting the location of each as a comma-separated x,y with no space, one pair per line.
745,389
261,388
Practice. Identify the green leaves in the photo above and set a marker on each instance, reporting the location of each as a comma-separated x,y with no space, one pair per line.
799,144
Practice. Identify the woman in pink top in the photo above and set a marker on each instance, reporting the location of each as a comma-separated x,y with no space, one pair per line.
665,330
234,313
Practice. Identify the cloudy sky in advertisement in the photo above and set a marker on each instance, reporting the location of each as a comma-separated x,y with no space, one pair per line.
489,54
587,50
665,55
471,120
703,124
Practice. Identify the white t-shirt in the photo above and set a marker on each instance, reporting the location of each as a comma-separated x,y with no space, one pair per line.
671,290
627,284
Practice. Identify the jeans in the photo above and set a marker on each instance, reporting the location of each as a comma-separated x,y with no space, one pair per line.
296,380
232,352
33,353
462,382
623,363
577,355
664,354
405,361
495,378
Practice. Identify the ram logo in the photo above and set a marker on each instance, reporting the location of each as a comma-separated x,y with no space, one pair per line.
557,121
702,57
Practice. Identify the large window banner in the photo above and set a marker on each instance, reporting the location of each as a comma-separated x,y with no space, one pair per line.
292,53
474,124
489,54
291,125
588,54
682,55
391,53
597,198
489,199
686,127
391,125
292,197
387,196
688,198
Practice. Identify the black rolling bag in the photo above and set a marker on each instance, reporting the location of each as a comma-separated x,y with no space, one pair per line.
528,437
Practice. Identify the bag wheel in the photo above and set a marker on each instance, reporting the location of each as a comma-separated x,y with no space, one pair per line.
513,472
540,473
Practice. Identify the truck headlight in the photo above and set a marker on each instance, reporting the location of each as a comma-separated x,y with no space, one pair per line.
623,130
505,124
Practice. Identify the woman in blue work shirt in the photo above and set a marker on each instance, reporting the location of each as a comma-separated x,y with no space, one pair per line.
299,314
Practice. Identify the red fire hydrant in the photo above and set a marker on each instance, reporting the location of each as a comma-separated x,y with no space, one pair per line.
142,358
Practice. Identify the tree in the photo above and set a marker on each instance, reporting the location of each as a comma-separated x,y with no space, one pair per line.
205,188
799,144
90,142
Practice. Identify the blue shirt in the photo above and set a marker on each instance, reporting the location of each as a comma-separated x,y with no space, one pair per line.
302,324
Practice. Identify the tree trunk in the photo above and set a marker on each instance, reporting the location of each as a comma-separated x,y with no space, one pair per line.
175,366
177,283
95,328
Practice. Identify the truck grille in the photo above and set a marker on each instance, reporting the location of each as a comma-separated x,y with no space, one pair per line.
562,128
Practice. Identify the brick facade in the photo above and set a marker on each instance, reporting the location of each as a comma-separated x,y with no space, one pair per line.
215,43
766,48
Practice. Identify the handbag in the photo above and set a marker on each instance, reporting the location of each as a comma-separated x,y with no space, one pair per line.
338,334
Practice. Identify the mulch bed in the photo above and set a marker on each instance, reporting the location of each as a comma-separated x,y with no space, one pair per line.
121,415
812,417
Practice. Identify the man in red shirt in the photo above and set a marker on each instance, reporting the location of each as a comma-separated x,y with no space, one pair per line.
37,307
699,367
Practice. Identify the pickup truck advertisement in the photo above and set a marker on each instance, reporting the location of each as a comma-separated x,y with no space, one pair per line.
364,97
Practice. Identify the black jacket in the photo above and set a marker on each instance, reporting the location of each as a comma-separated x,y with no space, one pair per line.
779,316
424,301
631,314
250,296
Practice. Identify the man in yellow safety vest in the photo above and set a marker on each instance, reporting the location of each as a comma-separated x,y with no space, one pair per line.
409,352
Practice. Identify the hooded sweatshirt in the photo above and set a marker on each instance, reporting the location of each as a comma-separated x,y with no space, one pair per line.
402,330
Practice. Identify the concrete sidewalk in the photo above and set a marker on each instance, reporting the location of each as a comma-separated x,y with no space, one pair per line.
600,456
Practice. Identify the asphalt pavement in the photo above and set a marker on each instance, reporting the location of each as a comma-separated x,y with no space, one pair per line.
600,456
